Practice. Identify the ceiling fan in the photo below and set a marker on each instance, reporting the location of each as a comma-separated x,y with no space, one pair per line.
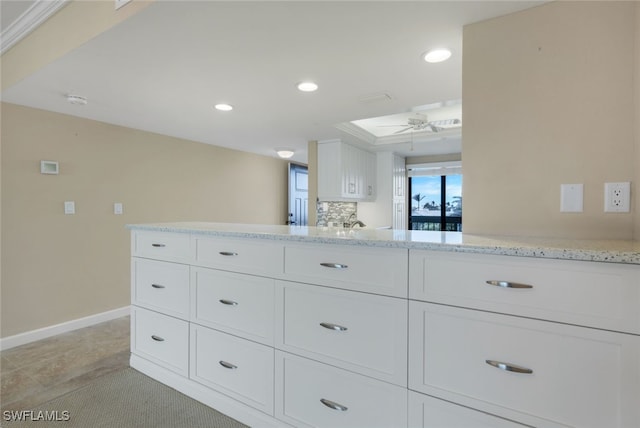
421,122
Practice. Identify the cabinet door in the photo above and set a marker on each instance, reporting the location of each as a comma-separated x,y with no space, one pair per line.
599,295
239,304
361,332
399,215
160,286
369,176
517,367
399,177
311,394
161,339
430,412
239,368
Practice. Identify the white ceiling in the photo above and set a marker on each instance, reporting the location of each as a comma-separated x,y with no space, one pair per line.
163,69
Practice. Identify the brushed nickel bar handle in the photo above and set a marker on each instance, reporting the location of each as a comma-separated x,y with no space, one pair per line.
158,245
157,286
157,338
333,405
334,265
508,367
228,302
228,365
331,326
508,284
228,253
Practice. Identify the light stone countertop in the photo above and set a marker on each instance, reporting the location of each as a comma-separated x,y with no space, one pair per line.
612,251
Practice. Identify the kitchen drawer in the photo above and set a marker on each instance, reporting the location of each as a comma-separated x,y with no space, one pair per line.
236,367
374,270
362,332
160,286
599,295
239,255
238,304
161,339
312,394
429,412
516,367
169,246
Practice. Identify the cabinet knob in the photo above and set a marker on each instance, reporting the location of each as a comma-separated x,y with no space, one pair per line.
228,302
157,286
333,405
158,245
508,367
157,338
508,284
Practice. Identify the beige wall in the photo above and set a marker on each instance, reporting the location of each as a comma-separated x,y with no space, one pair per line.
635,186
548,98
60,267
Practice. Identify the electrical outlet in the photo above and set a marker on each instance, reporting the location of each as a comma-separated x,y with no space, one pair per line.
617,197
120,3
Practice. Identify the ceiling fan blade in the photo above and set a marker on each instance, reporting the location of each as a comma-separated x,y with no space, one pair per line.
387,126
403,130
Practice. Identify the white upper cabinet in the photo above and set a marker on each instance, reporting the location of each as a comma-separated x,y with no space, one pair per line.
345,172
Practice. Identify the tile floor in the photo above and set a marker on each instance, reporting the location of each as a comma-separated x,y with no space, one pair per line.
38,372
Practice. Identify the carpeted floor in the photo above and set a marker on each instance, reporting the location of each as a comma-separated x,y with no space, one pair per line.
125,399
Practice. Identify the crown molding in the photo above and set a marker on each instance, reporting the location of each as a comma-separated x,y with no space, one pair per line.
39,12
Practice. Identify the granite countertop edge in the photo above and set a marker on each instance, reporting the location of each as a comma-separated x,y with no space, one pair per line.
609,251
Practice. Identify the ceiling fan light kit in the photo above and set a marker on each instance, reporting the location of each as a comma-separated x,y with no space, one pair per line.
285,153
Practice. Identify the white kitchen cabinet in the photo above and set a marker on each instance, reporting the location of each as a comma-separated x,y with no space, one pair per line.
239,368
372,270
361,332
235,303
279,331
161,339
430,412
599,295
160,286
536,372
345,172
312,394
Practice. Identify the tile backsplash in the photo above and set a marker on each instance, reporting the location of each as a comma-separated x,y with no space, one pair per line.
336,213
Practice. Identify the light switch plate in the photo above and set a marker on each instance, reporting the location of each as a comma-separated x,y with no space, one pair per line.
117,208
69,207
571,198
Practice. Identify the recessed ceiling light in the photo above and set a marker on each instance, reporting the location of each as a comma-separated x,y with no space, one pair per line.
307,87
223,107
437,55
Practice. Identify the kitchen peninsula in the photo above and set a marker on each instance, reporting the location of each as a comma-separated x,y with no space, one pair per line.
305,326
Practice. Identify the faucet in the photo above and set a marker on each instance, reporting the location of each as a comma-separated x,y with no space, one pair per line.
351,224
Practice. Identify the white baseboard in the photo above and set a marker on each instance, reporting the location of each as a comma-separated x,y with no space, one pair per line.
42,333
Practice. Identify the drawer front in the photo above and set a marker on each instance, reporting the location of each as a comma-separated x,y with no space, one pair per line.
173,247
233,366
238,304
239,255
430,412
312,394
515,367
161,286
600,295
357,331
374,270
161,339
